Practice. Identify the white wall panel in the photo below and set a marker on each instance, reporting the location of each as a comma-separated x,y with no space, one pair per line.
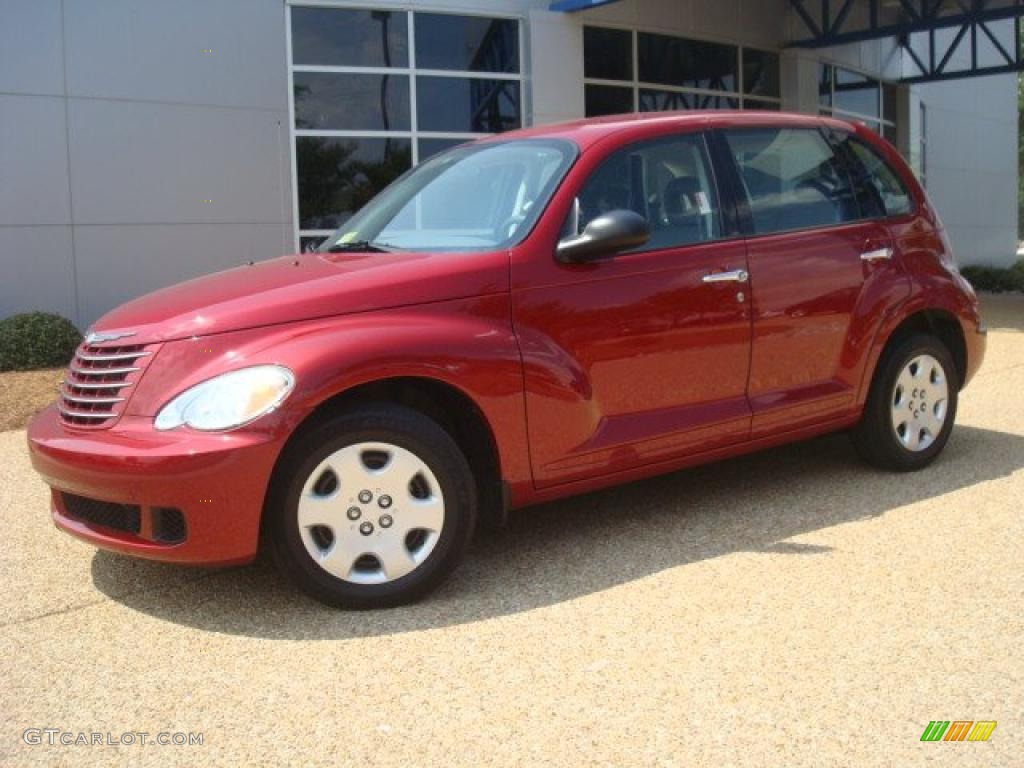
31,53
38,271
225,52
141,162
118,263
33,161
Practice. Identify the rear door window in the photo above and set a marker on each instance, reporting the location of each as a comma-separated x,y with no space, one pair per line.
792,178
667,181
879,187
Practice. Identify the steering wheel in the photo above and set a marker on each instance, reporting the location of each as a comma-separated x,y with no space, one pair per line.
509,226
818,186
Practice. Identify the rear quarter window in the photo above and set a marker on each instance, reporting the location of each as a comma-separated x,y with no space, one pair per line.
880,189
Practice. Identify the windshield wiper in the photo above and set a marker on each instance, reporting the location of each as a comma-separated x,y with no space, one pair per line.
361,246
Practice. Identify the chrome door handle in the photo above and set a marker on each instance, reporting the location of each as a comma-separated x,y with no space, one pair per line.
733,276
876,255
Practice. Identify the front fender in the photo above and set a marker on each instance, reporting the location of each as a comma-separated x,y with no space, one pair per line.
467,344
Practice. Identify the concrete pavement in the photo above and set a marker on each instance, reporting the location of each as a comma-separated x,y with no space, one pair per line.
788,608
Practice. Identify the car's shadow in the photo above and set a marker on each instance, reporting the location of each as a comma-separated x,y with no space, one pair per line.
567,549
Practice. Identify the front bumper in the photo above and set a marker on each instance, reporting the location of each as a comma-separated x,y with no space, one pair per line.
216,480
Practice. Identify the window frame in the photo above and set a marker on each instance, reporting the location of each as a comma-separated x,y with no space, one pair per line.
727,229
410,71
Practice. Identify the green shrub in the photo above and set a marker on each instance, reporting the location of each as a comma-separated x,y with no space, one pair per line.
996,279
36,340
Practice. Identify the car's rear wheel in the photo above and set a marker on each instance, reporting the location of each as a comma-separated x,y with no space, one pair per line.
911,407
372,508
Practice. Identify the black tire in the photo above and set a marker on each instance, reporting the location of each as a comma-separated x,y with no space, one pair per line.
874,437
399,426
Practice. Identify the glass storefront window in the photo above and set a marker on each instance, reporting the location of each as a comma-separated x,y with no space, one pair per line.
354,38
771,106
607,100
825,85
466,43
855,93
687,63
889,95
351,102
761,73
367,103
428,147
310,243
690,74
854,96
607,53
660,101
467,105
338,176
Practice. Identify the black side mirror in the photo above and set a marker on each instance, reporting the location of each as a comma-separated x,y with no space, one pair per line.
608,234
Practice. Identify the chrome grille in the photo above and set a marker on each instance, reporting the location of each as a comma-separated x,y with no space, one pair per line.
98,382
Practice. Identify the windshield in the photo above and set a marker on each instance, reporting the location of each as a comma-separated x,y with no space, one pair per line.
475,197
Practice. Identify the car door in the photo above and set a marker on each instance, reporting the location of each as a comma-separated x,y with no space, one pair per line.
641,357
820,269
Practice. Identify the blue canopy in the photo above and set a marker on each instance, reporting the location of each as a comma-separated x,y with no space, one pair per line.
577,5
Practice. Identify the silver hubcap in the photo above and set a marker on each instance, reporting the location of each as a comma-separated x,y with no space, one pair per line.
919,403
371,513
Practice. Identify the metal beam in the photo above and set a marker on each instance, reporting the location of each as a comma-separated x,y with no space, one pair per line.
926,18
844,12
952,48
925,48
961,74
915,31
798,6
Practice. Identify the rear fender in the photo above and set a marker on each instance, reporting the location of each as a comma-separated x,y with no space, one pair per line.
934,288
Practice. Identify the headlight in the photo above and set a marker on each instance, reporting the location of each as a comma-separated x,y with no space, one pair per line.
229,400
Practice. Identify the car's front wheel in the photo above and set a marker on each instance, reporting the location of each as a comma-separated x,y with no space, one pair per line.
372,508
911,407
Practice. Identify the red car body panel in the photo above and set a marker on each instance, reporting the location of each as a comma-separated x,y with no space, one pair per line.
585,374
815,302
603,348
290,289
209,477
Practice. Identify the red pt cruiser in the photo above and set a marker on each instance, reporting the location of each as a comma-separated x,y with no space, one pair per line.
526,317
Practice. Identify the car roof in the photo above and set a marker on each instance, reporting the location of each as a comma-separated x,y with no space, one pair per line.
589,131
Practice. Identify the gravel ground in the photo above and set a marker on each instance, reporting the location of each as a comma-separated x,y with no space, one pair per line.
788,608
23,393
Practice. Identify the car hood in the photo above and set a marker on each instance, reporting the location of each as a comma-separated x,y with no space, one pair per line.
304,287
